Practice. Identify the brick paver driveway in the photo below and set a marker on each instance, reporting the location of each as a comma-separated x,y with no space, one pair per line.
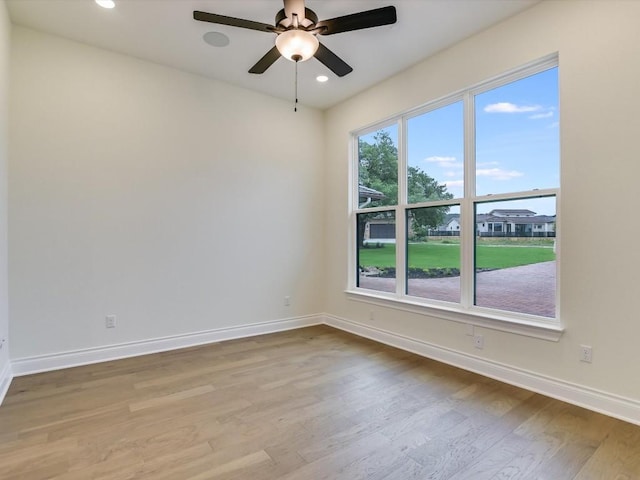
528,289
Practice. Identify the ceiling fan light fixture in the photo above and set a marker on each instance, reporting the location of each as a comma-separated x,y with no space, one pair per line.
297,45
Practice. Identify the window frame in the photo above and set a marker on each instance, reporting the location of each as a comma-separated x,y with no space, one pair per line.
465,311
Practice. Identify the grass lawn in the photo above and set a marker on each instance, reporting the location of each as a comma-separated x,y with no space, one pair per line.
438,255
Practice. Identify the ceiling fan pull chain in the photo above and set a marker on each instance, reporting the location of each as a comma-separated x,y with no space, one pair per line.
296,59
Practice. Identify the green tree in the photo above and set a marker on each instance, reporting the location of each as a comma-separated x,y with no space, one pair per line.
379,170
379,167
421,188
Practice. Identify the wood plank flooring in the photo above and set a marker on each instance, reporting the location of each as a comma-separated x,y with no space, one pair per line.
309,404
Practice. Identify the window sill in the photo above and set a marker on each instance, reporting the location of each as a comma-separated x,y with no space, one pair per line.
530,327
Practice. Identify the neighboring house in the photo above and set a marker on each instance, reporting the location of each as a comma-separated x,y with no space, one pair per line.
380,231
496,223
504,222
516,223
376,230
451,223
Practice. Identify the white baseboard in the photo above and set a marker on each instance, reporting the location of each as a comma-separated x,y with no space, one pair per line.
615,406
56,361
5,380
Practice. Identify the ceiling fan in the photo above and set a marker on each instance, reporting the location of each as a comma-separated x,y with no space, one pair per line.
297,28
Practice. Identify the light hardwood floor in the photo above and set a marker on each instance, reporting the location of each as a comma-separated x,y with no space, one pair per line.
309,404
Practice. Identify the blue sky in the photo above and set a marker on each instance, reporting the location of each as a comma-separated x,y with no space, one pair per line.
517,141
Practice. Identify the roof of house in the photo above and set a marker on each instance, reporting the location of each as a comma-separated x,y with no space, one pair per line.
366,192
487,217
511,212
449,217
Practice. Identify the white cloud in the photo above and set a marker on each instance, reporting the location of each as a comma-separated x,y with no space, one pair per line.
541,115
444,162
498,173
454,183
554,125
486,164
506,107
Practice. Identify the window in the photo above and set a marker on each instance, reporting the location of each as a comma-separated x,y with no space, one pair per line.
376,227
456,202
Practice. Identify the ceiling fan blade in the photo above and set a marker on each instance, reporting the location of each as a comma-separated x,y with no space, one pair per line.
232,21
358,21
265,62
294,6
332,61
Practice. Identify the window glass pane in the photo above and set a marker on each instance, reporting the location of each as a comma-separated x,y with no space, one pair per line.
378,168
435,154
433,253
517,136
376,261
515,256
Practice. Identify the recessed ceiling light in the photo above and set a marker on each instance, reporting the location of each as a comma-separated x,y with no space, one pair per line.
106,3
322,78
216,39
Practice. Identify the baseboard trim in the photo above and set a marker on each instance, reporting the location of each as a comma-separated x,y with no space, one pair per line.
612,405
75,358
5,380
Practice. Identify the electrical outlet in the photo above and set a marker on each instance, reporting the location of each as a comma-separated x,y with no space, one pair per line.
287,301
110,321
586,353
478,341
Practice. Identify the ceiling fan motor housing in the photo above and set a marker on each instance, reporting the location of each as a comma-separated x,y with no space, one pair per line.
309,21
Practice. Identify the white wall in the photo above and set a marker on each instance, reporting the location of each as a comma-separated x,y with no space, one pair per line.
599,46
175,202
5,35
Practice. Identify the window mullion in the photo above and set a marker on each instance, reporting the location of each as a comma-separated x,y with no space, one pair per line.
467,235
401,216
352,274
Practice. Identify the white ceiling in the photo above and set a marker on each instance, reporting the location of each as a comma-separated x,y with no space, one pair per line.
163,31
